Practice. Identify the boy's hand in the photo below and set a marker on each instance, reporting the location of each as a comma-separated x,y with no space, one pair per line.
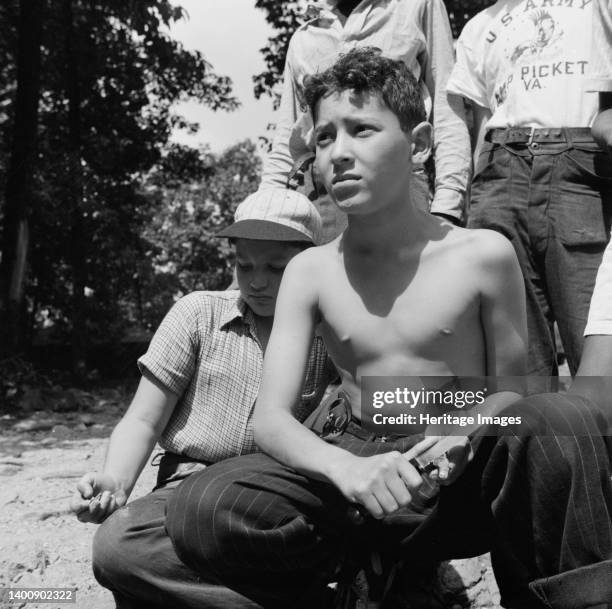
448,456
382,483
97,497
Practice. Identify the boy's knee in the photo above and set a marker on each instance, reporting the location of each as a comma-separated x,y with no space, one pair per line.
558,414
111,551
191,521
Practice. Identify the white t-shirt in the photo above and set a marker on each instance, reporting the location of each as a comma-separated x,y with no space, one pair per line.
528,62
601,65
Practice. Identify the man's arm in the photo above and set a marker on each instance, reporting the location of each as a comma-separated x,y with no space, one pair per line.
451,141
382,483
594,377
279,161
129,448
477,134
602,125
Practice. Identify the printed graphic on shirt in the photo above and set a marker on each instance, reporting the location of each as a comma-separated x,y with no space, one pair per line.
547,32
528,61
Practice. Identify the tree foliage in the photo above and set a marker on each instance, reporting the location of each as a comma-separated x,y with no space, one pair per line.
286,15
111,76
193,195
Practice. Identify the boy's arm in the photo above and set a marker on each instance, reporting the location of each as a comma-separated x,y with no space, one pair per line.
503,312
276,431
381,483
451,140
129,448
504,325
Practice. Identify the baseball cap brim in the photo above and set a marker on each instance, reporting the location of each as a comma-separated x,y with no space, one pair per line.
262,230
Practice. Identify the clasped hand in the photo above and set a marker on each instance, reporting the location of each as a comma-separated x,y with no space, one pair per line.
97,497
385,483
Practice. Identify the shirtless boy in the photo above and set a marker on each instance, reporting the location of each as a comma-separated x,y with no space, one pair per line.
399,292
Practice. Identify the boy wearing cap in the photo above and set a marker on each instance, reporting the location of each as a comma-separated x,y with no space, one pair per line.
200,378
399,293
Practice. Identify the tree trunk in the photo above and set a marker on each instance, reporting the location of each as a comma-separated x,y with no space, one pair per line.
75,194
18,193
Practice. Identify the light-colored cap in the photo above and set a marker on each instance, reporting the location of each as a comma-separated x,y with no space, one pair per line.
275,214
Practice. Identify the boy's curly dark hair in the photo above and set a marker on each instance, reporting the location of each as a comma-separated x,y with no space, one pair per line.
365,70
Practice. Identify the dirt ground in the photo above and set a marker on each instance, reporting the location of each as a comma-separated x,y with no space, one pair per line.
42,455
43,452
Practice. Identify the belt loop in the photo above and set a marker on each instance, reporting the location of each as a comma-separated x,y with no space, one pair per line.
531,136
568,137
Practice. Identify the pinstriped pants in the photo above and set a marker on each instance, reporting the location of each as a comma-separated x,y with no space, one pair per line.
542,504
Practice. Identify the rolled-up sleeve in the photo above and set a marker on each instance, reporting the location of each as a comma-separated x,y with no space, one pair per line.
451,139
171,358
279,162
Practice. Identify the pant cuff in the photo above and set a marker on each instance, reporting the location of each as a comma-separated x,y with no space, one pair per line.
587,587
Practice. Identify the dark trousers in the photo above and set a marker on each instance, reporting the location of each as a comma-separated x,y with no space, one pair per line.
553,201
541,504
134,558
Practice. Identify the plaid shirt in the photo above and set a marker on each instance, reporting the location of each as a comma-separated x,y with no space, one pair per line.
207,352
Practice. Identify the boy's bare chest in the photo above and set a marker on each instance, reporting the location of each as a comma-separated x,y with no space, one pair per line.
426,317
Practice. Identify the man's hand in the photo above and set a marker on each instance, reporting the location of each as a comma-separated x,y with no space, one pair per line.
97,497
447,455
602,125
381,483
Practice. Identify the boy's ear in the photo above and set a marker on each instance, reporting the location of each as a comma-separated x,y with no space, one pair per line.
421,142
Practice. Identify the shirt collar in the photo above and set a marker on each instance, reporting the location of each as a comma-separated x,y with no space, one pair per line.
237,310
320,8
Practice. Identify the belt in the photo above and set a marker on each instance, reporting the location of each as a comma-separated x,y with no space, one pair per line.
340,420
355,429
175,467
530,135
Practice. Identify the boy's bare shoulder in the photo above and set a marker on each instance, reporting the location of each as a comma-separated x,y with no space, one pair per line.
313,261
484,247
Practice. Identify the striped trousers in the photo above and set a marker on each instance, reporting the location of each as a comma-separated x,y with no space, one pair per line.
540,503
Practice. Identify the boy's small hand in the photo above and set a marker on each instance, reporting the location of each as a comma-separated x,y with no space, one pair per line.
97,497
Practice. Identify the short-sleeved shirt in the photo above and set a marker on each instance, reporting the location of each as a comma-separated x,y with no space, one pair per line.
206,351
527,61
601,65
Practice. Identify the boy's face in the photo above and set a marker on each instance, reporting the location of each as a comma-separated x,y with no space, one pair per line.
259,270
362,154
